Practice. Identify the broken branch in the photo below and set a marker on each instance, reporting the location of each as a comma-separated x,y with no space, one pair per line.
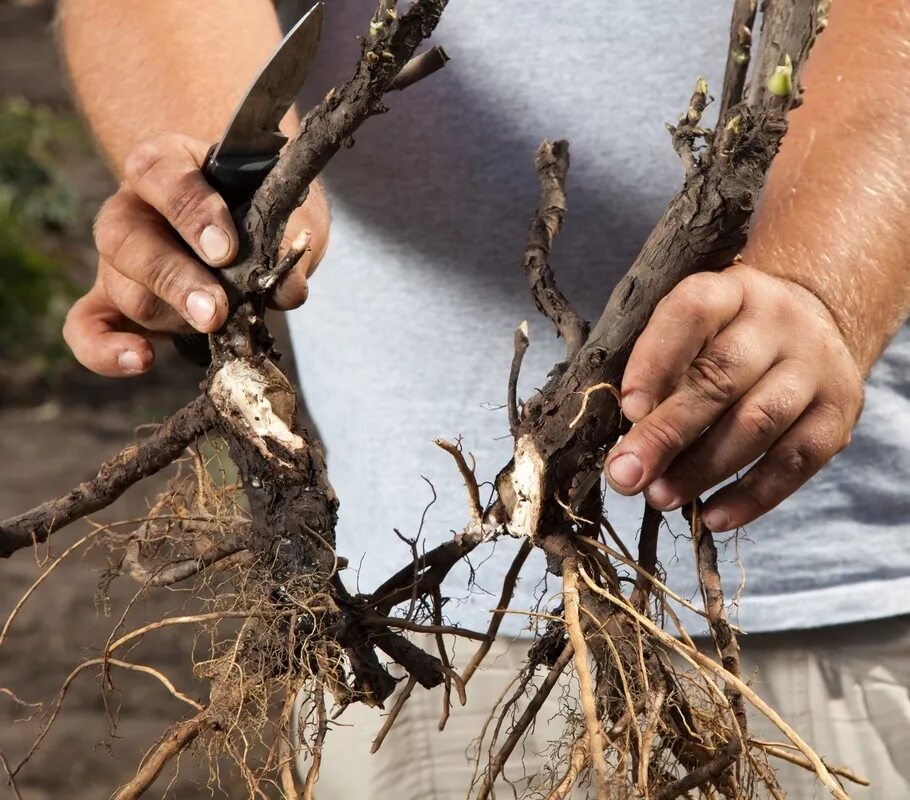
134,463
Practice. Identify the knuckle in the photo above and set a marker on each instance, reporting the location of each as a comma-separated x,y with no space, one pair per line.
854,398
112,230
185,204
845,439
837,429
165,279
782,306
292,291
799,461
141,307
70,324
662,434
709,379
755,487
688,298
840,436
693,476
841,397
761,420
75,334
144,157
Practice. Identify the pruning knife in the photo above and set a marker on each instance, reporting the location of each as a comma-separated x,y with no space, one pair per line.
237,164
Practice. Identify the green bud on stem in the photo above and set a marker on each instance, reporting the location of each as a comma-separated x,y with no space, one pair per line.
781,81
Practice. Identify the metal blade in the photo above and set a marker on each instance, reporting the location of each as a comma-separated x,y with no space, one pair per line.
254,128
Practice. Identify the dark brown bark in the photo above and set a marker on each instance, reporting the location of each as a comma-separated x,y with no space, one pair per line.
647,555
721,632
552,162
704,228
292,503
131,465
324,130
739,54
549,491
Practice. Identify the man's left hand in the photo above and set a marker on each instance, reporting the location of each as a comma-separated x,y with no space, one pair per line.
732,367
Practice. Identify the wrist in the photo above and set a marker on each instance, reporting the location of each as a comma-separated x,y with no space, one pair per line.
803,316
815,294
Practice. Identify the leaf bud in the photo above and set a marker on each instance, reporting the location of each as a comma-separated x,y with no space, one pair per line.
781,81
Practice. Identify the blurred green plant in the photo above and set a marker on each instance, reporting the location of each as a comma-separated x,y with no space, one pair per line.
38,208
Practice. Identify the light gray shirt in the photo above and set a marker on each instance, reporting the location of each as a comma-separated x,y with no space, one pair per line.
408,331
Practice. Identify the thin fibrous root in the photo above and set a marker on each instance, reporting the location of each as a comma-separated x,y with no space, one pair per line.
787,753
585,683
694,656
322,728
393,714
98,662
577,761
508,589
494,768
598,387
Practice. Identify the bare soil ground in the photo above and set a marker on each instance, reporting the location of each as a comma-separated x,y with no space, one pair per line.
51,438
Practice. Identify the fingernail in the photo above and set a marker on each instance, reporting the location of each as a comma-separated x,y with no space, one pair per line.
215,244
636,405
626,469
130,361
200,306
661,496
717,521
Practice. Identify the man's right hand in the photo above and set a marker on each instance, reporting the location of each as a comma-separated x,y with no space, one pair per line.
148,283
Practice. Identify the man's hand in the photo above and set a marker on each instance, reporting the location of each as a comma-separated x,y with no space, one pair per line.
733,367
148,282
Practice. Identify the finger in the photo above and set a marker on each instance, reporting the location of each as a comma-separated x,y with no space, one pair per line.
818,435
731,365
140,247
291,291
743,434
165,172
93,331
139,305
684,322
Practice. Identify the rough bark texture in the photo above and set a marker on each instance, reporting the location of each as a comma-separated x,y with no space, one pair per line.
704,228
552,162
283,470
327,128
134,463
548,493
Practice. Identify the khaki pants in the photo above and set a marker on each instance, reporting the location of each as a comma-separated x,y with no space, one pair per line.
845,689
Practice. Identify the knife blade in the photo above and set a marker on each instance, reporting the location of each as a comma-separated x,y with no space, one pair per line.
237,164
249,146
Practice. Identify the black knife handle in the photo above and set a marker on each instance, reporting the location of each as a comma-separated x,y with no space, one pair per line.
236,179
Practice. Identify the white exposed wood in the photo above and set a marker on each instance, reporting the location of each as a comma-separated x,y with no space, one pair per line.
527,482
248,391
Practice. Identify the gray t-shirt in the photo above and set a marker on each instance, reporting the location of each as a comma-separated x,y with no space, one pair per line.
408,331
